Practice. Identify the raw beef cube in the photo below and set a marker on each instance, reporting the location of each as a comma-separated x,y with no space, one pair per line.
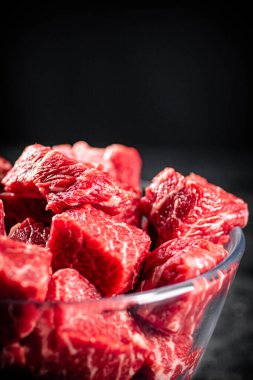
107,347
175,261
72,341
83,152
17,209
2,226
132,213
25,270
178,206
170,357
63,182
24,275
121,162
124,164
21,179
30,231
5,166
108,253
68,285
93,187
65,149
179,260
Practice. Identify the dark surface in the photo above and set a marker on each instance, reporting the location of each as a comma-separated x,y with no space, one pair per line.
230,352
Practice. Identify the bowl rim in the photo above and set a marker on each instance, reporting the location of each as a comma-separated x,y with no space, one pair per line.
235,247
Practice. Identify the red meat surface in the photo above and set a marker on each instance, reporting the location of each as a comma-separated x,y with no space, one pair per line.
169,357
178,206
24,275
2,226
5,166
176,261
64,183
65,149
30,231
116,351
108,253
68,285
132,213
73,342
17,209
184,313
21,179
121,162
179,260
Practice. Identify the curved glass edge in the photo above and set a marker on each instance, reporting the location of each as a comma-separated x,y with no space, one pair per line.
235,247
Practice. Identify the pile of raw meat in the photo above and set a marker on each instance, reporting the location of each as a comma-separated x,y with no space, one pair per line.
75,228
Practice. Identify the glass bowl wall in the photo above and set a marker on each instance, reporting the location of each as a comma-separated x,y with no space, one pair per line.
96,340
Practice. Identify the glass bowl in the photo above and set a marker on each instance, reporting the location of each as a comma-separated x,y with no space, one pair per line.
154,335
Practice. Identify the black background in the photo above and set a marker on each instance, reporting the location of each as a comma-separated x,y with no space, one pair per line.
174,81
153,74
